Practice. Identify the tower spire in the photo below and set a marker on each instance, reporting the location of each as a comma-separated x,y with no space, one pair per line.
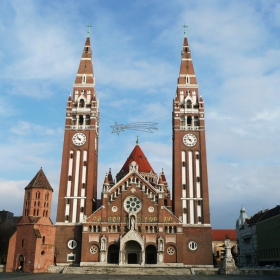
185,30
88,32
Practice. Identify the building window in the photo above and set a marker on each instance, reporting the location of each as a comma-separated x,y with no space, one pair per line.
189,104
189,121
182,121
71,257
184,186
170,250
193,245
196,121
93,249
197,179
72,244
183,163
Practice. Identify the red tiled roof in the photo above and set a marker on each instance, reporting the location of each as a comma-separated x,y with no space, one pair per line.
220,234
39,181
139,157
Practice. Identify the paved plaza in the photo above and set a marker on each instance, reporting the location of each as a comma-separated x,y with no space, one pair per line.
45,276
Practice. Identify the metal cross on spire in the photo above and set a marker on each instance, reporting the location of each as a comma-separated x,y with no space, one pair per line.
185,30
88,33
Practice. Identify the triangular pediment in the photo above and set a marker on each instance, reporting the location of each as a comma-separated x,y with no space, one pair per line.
132,235
136,175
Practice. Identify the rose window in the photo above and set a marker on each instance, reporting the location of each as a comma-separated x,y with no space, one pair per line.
132,204
93,249
170,251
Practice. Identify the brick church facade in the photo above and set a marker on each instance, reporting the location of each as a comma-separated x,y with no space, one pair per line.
136,221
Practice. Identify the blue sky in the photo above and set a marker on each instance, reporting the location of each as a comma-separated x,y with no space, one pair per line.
136,45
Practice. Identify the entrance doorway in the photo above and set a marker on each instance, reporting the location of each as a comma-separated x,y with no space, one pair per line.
20,263
133,252
113,254
132,258
151,254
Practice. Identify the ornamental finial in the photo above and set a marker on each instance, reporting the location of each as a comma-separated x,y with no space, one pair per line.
137,141
185,30
88,33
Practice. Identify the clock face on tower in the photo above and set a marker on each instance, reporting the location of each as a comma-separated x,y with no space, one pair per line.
79,139
189,140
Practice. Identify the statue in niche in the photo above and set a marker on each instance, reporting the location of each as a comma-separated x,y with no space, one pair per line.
103,243
160,245
132,222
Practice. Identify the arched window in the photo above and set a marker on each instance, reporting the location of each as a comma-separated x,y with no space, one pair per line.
165,202
82,103
81,120
196,121
189,121
37,195
182,121
87,120
189,104
47,196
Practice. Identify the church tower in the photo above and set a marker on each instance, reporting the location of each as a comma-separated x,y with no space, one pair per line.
190,183
78,179
31,247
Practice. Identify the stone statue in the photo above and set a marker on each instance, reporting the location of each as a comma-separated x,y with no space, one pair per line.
228,261
132,222
103,243
160,245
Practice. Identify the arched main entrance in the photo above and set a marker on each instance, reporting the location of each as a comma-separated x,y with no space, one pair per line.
20,262
113,254
133,252
151,255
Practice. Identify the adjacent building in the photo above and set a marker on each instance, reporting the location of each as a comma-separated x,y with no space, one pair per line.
31,247
258,238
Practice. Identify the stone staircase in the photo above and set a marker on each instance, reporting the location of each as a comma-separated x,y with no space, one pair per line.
133,270
127,271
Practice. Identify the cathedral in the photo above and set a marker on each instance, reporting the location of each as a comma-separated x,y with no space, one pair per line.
139,219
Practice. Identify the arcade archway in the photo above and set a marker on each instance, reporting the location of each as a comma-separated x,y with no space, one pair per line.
151,254
113,254
132,252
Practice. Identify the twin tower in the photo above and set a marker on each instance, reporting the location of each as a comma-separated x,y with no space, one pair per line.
137,220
